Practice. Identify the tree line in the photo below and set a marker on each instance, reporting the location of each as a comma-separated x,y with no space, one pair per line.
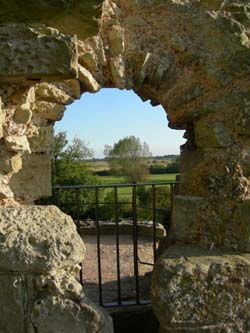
128,158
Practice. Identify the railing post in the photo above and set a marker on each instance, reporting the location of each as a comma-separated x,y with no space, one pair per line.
98,245
154,221
55,195
172,204
136,261
135,245
117,246
78,225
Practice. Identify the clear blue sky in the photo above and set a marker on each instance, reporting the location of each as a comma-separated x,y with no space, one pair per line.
111,114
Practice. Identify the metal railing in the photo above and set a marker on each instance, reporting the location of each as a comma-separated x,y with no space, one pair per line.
81,206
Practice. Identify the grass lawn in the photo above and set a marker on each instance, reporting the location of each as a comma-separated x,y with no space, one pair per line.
151,178
126,192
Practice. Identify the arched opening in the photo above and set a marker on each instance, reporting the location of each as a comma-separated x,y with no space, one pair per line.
105,118
111,114
171,53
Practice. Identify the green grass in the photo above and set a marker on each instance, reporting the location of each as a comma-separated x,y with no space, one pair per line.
151,178
126,192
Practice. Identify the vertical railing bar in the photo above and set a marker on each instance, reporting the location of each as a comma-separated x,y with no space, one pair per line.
172,203
154,221
55,194
98,245
135,245
117,247
78,226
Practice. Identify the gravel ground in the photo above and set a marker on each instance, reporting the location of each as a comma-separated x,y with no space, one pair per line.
109,270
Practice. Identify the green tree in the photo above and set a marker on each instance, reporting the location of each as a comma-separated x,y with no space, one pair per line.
128,158
70,168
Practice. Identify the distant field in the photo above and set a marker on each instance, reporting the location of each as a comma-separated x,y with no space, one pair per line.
151,178
126,192
101,165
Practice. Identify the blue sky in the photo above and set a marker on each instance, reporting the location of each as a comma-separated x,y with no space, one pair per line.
111,114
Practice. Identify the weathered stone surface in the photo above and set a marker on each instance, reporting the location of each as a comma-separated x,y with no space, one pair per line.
66,15
71,88
41,244
10,163
87,56
118,71
87,80
54,314
144,228
116,40
17,143
42,141
5,191
38,239
51,93
190,161
48,110
212,135
2,119
240,227
169,52
35,53
23,114
195,290
185,213
34,180
12,303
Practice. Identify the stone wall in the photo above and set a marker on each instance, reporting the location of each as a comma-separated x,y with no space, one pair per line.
39,265
191,56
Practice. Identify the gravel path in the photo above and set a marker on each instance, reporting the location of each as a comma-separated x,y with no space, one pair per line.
109,271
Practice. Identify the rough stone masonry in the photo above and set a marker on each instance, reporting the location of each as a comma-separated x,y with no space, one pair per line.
190,56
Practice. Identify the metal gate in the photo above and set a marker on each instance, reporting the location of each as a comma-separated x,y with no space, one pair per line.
85,203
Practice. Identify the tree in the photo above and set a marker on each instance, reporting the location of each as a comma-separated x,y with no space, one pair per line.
128,158
69,165
70,168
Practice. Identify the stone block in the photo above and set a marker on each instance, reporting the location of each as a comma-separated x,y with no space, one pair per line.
190,164
36,53
117,66
12,303
87,80
197,290
55,314
240,227
17,143
10,163
212,135
48,110
40,252
51,93
38,239
5,191
116,40
73,17
42,142
23,114
2,119
34,180
185,211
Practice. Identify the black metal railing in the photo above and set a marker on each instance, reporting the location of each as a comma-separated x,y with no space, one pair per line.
88,201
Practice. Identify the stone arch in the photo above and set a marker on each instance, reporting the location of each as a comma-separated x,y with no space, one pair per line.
183,69
191,56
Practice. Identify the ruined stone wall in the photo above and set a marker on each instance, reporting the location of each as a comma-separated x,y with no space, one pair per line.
190,56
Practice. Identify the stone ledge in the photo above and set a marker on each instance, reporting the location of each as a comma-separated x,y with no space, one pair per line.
145,228
36,53
38,239
195,290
